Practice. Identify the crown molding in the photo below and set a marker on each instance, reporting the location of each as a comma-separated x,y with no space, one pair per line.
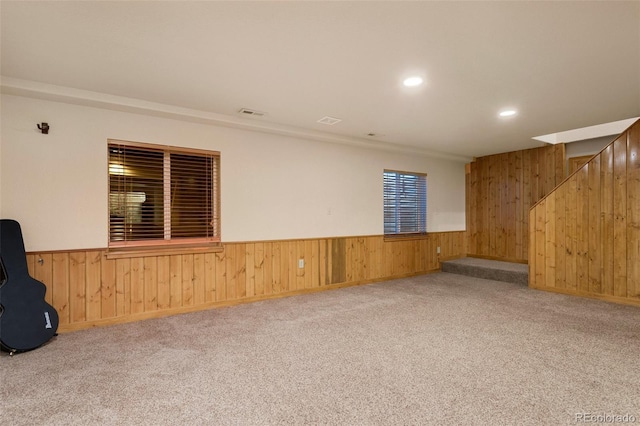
50,92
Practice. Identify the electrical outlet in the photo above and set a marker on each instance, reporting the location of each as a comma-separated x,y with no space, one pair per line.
300,263
438,250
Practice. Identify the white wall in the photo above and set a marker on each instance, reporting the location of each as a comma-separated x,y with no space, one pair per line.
273,187
587,146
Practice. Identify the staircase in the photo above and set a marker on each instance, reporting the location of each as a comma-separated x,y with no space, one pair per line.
517,273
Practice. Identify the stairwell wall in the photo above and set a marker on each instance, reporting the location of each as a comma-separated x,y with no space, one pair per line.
585,235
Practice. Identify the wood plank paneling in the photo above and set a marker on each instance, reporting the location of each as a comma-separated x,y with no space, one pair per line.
175,281
308,274
544,169
338,260
493,202
94,295
221,277
163,277
571,244
582,228
276,278
576,162
540,254
258,263
150,265
550,241
595,227
315,263
108,288
251,269
532,246
232,273
292,265
516,195
501,189
89,289
483,224
620,216
527,201
561,165
560,239
322,262
601,224
502,206
607,250
137,286
349,258
60,285
241,270
187,280
268,268
123,287
78,287
633,212
210,277
198,279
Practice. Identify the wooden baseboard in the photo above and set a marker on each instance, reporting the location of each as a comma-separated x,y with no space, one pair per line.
445,258
602,297
502,259
65,328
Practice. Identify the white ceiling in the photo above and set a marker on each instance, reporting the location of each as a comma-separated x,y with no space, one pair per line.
562,65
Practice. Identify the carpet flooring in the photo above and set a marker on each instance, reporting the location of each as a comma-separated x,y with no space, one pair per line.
488,269
436,349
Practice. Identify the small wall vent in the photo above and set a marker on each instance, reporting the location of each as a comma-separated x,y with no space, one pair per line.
252,112
329,120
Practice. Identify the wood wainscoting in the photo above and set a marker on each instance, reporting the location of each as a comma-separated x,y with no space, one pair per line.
88,289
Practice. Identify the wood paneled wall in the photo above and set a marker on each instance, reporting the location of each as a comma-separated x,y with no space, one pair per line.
88,289
586,234
500,190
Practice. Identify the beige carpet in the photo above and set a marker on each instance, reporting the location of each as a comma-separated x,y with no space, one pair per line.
435,349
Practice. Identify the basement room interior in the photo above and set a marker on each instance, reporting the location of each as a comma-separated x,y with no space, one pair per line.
266,213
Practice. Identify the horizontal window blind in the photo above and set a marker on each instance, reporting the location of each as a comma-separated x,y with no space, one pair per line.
162,195
405,203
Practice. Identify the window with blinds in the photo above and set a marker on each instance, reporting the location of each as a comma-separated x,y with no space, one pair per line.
405,203
161,195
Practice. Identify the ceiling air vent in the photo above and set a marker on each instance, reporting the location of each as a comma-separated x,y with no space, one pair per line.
251,112
329,120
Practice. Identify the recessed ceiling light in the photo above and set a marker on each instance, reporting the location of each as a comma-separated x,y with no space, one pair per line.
508,113
413,81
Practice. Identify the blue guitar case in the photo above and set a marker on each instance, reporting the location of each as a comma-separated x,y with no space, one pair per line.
27,321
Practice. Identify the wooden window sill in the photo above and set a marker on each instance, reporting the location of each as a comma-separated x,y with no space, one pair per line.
129,252
403,237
